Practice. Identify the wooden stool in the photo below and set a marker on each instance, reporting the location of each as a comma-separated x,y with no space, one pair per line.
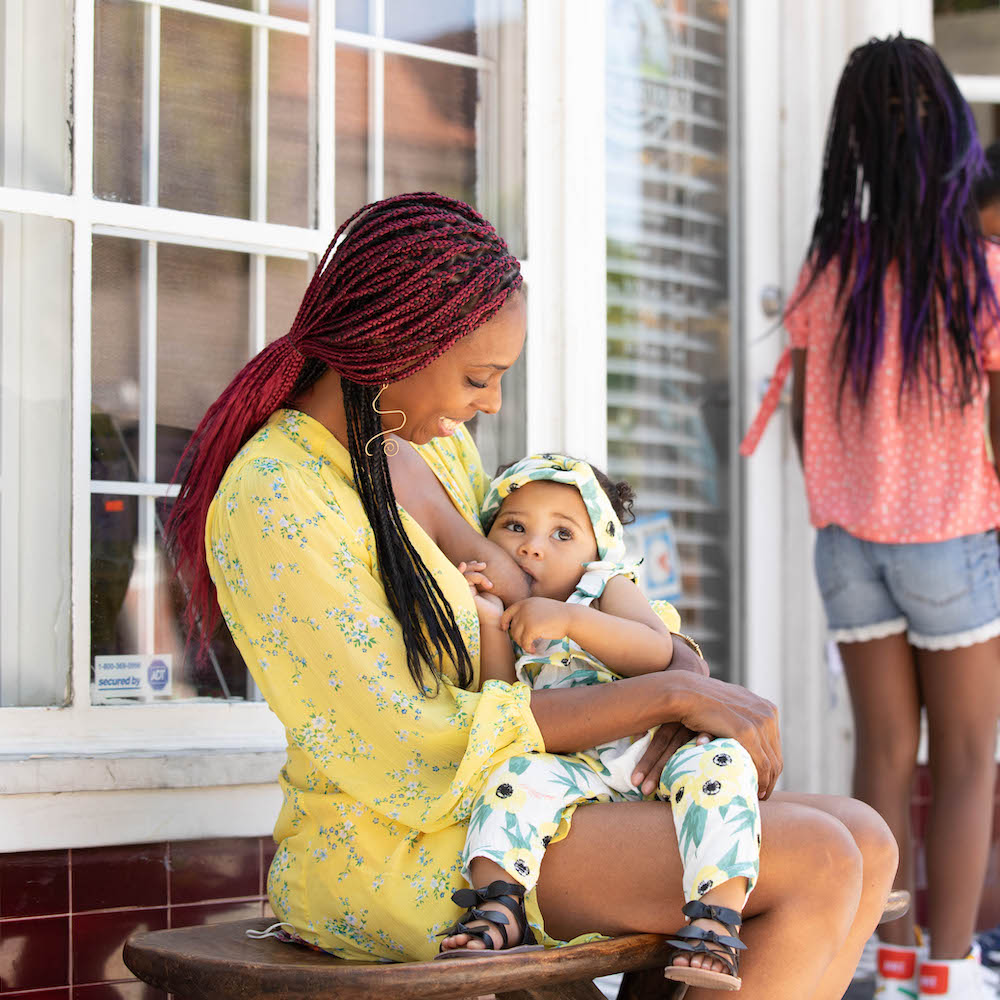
219,962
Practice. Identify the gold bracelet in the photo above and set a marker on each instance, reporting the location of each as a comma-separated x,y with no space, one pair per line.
690,642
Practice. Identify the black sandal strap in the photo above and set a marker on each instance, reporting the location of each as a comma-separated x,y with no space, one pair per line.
697,910
729,958
509,894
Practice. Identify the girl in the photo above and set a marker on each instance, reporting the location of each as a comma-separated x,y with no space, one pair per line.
895,347
556,516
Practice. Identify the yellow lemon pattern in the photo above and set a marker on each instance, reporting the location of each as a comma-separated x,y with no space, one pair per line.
712,790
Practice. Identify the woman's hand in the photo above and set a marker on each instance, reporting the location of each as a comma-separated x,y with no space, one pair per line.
713,706
537,618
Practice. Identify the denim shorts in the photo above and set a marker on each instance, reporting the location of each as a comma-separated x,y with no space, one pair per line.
942,594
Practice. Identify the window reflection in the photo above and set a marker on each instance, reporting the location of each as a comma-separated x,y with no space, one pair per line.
668,317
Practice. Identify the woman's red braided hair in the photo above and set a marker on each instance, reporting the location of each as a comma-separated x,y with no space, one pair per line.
402,280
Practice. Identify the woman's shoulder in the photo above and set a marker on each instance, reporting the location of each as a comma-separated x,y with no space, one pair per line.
456,461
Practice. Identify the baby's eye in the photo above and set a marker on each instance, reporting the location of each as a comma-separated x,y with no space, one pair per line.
564,534
514,526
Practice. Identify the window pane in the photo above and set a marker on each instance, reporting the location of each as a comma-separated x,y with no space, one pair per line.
117,291
138,645
503,437
286,284
298,10
36,53
203,313
35,460
430,128
446,24
352,15
351,168
967,37
669,335
202,336
288,156
205,114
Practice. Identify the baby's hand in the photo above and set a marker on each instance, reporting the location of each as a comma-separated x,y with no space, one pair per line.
473,573
536,618
489,607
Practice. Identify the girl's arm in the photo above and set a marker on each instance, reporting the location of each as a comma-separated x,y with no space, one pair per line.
625,634
798,397
995,418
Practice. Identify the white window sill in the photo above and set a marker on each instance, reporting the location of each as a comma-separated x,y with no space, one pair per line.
105,772
50,801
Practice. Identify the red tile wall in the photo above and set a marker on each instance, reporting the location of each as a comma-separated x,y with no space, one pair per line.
64,915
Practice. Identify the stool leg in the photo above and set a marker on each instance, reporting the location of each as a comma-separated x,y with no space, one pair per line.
649,984
584,989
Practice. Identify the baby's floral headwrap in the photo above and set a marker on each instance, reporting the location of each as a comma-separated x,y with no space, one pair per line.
569,472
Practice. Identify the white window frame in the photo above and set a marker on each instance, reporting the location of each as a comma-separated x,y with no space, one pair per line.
193,769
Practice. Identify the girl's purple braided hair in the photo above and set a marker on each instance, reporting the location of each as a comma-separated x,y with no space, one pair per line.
901,159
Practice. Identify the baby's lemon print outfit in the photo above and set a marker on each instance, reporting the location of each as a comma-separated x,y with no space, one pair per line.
712,788
380,777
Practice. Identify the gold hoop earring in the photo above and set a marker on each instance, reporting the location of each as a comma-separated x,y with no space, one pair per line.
389,447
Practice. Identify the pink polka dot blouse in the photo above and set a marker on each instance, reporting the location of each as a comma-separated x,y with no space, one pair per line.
903,469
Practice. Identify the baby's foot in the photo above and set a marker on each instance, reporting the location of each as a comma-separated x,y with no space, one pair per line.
474,943
703,961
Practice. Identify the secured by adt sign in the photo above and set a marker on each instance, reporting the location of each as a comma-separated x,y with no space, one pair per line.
158,674
140,677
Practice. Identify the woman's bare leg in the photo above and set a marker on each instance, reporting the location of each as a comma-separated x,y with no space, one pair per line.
962,693
879,854
797,921
882,678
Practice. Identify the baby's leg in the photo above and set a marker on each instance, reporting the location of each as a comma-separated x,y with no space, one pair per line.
519,812
712,790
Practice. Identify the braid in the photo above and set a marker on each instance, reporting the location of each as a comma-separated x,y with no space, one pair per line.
402,280
247,402
899,166
412,592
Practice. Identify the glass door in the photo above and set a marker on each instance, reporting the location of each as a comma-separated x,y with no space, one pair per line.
671,359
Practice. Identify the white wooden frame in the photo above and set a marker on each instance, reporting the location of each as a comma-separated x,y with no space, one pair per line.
33,815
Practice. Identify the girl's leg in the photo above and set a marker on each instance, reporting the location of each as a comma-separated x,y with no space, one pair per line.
883,682
961,689
805,924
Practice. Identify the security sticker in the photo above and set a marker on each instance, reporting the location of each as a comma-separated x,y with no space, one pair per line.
134,678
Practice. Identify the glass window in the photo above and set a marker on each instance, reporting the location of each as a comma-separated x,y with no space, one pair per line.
211,109
175,112
669,329
36,52
35,459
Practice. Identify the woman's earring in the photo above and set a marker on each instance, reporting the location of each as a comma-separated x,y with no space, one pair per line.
388,446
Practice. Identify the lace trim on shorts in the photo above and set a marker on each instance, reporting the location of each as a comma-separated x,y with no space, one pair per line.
865,633
956,640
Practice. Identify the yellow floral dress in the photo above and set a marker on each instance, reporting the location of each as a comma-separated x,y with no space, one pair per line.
380,777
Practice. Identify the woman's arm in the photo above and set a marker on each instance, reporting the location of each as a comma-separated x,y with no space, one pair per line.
496,655
423,497
587,716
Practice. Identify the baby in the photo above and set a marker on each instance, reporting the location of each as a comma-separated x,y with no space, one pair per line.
587,622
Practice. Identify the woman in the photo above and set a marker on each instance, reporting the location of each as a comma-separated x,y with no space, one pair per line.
895,347
332,540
